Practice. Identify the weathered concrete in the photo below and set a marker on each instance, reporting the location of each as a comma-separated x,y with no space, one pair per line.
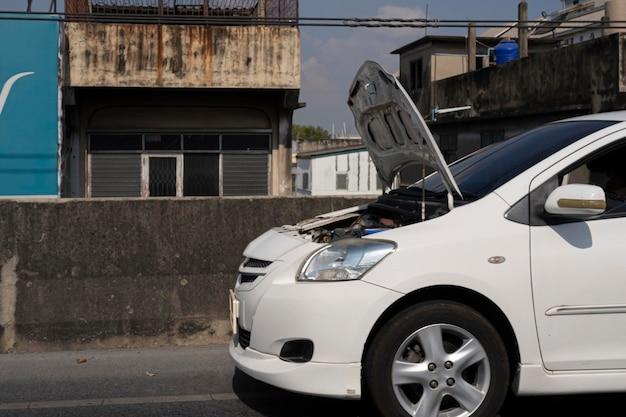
117,273
443,57
182,56
303,146
177,110
587,77
509,99
8,300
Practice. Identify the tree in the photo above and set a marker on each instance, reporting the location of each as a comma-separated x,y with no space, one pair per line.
305,132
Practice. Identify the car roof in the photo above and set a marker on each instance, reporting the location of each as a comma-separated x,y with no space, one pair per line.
614,116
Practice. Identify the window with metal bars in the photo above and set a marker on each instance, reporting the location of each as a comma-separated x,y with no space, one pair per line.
208,164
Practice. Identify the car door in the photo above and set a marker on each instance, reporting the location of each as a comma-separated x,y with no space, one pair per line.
579,265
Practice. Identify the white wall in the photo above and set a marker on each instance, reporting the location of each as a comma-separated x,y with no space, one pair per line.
323,172
303,167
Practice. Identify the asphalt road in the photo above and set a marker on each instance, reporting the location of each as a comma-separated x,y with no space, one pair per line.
195,382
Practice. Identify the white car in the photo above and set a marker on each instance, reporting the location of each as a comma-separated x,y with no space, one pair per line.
505,270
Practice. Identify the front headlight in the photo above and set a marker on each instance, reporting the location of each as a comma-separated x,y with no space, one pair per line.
345,260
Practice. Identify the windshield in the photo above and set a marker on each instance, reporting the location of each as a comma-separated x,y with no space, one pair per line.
484,171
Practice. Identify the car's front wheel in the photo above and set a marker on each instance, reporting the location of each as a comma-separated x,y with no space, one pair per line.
437,358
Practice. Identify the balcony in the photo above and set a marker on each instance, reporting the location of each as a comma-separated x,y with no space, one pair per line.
247,8
584,78
182,44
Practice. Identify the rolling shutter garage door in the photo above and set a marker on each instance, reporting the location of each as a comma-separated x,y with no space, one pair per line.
115,175
245,174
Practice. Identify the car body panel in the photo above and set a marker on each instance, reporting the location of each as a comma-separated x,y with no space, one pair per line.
452,250
478,232
335,380
273,243
392,128
578,276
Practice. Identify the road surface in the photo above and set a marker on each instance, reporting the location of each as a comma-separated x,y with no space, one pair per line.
194,382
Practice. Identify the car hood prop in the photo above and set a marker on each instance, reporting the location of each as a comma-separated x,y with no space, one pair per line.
392,128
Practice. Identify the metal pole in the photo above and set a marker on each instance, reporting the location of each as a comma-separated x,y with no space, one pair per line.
523,29
605,26
205,8
29,6
426,28
471,47
160,7
423,192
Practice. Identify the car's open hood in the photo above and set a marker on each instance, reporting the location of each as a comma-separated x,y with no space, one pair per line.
391,126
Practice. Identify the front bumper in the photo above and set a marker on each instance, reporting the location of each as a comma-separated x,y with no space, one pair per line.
322,379
337,317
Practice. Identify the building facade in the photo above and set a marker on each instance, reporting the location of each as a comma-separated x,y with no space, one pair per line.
510,99
336,171
168,98
575,22
30,113
425,65
434,58
572,69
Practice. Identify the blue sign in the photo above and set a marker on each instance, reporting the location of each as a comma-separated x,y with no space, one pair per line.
29,102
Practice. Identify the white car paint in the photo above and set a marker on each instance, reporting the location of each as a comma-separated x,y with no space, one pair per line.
557,200
543,270
560,288
380,103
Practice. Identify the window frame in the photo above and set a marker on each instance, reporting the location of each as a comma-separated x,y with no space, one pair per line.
220,190
182,134
616,212
530,209
345,174
416,74
179,154
145,173
306,185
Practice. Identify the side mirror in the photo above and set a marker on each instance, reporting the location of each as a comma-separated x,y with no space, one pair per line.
576,200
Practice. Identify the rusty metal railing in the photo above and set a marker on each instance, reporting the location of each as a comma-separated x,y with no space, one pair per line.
281,8
238,8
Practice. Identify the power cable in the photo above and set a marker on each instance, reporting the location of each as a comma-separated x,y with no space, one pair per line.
350,22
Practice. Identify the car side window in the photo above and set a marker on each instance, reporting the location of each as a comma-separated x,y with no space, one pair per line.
606,169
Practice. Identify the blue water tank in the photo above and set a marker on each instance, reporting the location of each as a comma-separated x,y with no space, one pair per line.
506,51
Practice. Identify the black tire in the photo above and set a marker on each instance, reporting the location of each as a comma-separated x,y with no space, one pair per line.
378,386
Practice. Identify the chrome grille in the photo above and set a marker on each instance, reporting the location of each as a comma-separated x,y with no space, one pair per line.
256,263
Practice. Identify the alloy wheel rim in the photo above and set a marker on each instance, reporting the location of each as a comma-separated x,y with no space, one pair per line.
441,370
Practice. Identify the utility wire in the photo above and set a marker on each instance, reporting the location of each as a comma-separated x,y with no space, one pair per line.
352,22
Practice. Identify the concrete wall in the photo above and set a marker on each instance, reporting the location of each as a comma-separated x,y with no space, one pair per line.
445,57
116,273
182,56
586,77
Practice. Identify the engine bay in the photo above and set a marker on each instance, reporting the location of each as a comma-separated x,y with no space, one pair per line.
392,210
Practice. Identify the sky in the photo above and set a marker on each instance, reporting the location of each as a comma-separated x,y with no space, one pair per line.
331,56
